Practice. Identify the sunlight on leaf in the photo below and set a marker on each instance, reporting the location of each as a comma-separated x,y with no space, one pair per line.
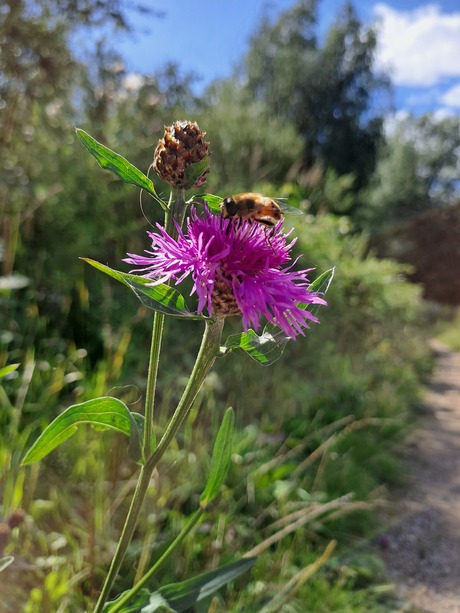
6,370
264,349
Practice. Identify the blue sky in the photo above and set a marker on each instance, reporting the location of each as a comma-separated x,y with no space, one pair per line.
419,42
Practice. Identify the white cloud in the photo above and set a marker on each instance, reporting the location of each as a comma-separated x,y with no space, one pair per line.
443,113
420,47
452,96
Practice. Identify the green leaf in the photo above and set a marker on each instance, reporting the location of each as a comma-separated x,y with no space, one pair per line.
109,160
139,600
221,458
136,436
212,201
7,369
103,413
321,284
157,604
194,171
183,595
5,562
264,349
159,297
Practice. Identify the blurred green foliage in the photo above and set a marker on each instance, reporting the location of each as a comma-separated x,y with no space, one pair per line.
319,432
417,170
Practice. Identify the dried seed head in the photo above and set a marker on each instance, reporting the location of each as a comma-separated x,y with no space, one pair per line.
223,299
182,155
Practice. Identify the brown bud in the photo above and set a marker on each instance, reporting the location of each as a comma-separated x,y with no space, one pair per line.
182,155
16,518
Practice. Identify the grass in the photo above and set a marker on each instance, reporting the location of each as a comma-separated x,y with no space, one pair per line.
313,459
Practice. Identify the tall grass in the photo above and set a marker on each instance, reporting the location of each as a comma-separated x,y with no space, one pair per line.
315,451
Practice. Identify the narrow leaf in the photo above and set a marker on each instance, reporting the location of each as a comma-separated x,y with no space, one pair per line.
103,413
320,286
181,596
139,600
221,458
160,297
6,370
322,283
5,562
109,160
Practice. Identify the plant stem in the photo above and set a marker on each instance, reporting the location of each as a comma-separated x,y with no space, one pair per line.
206,357
193,520
176,213
155,346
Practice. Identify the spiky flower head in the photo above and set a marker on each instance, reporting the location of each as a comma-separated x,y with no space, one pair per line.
182,155
236,268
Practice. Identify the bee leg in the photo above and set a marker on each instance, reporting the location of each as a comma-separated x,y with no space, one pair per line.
269,233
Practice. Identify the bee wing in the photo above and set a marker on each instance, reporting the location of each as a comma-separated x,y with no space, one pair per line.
289,210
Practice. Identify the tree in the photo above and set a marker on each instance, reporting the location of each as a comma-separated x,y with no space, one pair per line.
40,79
326,91
418,169
249,144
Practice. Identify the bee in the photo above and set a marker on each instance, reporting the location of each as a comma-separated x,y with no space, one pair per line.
254,207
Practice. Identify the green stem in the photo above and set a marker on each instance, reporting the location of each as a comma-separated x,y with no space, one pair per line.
206,357
192,522
209,350
176,212
157,335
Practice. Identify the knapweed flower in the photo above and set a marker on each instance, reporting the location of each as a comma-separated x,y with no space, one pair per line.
181,147
237,267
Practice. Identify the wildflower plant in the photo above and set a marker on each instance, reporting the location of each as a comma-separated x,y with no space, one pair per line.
238,269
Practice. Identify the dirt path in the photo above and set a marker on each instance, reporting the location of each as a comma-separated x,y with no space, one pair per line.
422,550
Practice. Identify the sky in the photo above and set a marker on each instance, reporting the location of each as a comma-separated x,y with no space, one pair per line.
419,43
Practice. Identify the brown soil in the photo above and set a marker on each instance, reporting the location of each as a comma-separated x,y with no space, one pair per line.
422,549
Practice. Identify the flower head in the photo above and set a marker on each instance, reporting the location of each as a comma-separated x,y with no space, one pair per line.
236,268
181,147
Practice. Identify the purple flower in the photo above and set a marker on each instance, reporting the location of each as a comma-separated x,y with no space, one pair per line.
237,267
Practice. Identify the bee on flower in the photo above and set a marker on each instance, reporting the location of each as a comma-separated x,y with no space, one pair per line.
235,271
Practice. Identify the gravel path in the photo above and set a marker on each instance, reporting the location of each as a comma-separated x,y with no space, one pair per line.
422,550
